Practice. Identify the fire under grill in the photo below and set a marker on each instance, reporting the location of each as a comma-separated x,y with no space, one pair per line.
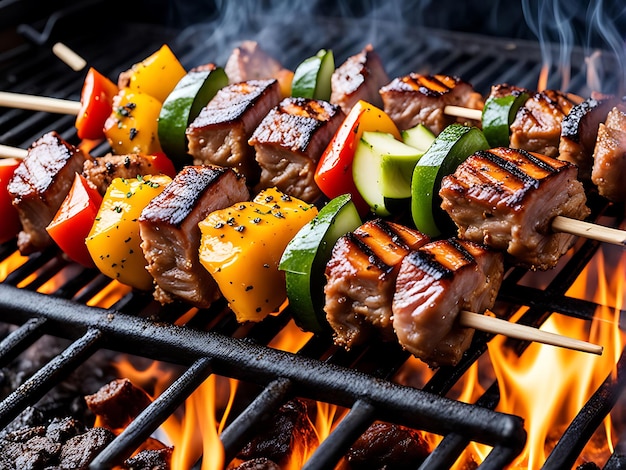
212,342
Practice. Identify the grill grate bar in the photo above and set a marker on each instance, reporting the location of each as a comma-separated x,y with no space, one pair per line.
330,451
256,414
20,339
250,362
52,373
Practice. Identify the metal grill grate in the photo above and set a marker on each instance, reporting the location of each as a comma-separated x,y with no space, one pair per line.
358,380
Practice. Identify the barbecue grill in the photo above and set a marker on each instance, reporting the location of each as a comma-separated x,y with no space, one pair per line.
362,380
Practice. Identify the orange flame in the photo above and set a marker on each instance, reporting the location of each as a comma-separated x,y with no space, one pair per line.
548,386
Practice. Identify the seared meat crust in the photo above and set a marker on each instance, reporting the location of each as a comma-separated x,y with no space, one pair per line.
436,282
420,99
360,77
40,184
507,199
101,171
220,133
289,142
537,124
361,276
171,237
609,158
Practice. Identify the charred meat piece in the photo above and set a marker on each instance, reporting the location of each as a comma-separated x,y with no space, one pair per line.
360,280
386,445
360,77
537,124
507,199
420,99
286,440
579,132
289,142
170,235
100,171
219,134
39,185
249,61
436,282
609,157
117,403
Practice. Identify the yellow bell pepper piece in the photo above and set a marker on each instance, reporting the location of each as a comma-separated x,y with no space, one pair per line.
132,126
241,247
157,75
114,242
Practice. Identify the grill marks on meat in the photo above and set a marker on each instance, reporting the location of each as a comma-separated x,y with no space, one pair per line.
507,199
219,134
537,124
40,184
289,142
170,235
436,282
579,133
609,157
360,77
420,99
361,276
101,171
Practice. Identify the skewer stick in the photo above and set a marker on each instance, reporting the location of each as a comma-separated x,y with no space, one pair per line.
514,330
460,111
589,230
39,103
68,56
12,152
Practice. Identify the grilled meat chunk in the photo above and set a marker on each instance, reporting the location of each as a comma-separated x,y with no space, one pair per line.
436,282
385,446
39,185
507,199
537,124
360,77
117,403
249,61
289,142
219,134
171,237
101,171
361,276
609,157
579,132
413,99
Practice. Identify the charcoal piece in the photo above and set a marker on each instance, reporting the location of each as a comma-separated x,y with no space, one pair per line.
151,459
260,463
82,449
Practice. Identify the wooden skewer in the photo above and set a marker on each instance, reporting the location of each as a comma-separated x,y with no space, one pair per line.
495,325
12,152
460,111
39,103
68,56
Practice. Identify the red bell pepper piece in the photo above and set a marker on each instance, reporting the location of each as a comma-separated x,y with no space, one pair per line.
96,101
74,220
11,225
333,174
162,164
